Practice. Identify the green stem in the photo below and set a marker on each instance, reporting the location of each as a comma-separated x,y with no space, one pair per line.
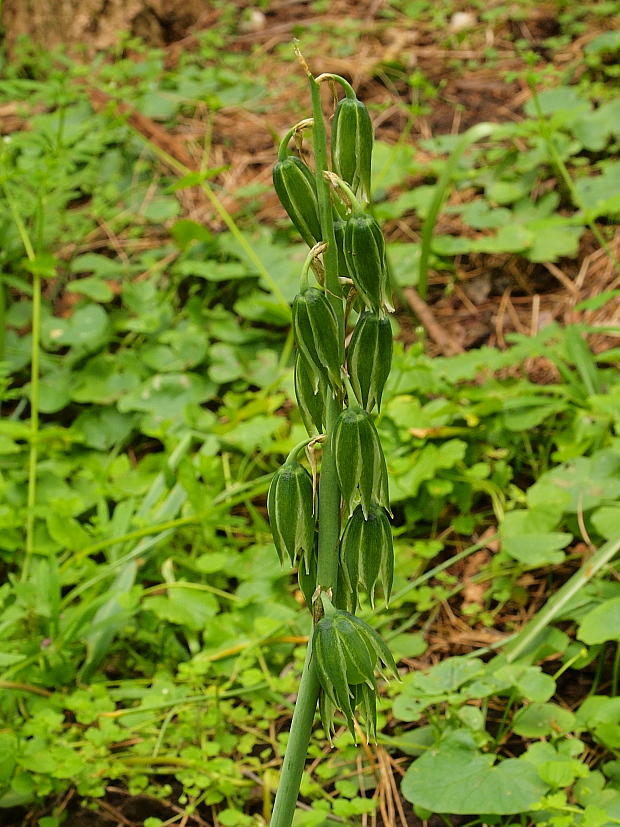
292,457
568,181
226,218
356,207
329,497
34,420
329,507
554,606
297,745
2,319
34,381
480,130
329,491
283,152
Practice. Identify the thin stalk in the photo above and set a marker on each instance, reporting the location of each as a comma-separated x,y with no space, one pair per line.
568,181
297,745
2,319
480,130
34,382
561,598
329,496
34,420
329,491
226,218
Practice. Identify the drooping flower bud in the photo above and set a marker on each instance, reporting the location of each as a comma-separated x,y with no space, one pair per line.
295,186
369,359
346,651
290,505
360,463
316,332
352,140
367,549
364,253
310,399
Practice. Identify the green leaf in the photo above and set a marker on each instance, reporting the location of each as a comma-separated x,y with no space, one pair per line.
601,624
55,390
531,682
92,288
101,266
606,520
447,676
524,412
409,474
88,326
456,778
185,231
600,195
553,238
560,99
539,720
606,42
513,238
165,395
194,179
586,482
527,537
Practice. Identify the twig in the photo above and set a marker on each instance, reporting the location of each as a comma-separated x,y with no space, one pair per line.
448,345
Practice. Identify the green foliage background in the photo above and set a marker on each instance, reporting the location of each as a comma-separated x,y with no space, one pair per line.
146,626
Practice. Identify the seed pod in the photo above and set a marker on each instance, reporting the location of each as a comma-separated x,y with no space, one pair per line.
290,505
352,140
366,549
360,463
316,332
364,253
369,359
345,653
311,401
295,186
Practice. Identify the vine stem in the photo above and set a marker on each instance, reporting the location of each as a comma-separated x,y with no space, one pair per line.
329,496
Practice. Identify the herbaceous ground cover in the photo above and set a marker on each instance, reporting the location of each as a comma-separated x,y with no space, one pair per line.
150,642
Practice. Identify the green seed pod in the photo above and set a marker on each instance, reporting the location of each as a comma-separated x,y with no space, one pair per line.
367,549
360,463
290,505
316,332
311,401
345,653
352,140
331,666
295,186
364,253
369,359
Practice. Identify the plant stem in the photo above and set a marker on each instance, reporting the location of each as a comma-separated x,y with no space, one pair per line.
329,508
297,745
542,619
34,380
475,133
568,181
34,420
329,497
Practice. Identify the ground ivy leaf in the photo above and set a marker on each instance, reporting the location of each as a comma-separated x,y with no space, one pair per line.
538,720
601,624
457,778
